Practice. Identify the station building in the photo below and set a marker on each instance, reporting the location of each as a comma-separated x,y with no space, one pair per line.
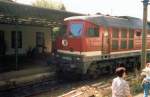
31,25
26,34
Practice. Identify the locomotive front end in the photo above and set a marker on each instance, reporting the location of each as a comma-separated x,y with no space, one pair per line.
79,46
69,46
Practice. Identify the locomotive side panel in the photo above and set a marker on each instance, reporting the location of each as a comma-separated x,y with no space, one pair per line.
92,37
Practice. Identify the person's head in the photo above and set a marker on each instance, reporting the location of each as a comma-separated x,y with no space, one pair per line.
148,65
120,71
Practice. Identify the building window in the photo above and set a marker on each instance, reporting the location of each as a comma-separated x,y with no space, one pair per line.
39,39
16,37
2,43
1,35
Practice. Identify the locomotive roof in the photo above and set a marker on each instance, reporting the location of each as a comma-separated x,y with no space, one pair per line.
124,21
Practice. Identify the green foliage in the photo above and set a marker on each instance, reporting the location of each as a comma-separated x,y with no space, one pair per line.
8,0
55,33
136,87
58,31
50,4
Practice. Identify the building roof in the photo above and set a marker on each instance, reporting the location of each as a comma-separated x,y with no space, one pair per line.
111,21
11,13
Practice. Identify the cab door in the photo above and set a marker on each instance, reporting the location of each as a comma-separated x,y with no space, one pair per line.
105,41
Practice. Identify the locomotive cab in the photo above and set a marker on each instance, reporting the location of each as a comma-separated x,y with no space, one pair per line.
81,40
71,38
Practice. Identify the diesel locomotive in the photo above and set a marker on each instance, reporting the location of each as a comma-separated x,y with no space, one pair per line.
96,44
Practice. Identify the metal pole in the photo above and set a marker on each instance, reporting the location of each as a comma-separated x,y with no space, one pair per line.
144,34
16,46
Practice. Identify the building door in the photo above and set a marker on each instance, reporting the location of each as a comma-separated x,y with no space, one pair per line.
105,42
40,41
2,43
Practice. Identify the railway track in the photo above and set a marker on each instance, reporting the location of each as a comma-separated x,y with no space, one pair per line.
89,91
83,88
99,89
88,88
46,82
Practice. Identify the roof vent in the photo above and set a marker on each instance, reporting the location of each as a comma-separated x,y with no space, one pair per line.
107,15
98,13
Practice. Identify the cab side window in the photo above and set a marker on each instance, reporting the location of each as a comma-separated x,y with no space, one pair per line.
93,32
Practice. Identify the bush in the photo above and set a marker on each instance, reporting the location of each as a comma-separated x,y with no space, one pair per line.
136,87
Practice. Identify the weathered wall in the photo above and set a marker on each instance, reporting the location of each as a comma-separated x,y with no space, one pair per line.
28,37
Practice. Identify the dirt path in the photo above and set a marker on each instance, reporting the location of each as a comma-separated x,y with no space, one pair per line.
99,88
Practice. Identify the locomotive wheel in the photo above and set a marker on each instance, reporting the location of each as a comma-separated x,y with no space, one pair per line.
92,72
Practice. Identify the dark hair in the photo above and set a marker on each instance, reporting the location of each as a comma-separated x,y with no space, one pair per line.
120,71
147,64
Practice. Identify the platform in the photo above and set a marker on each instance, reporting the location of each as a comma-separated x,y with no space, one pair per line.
25,76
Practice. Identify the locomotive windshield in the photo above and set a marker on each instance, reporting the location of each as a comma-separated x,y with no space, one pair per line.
76,29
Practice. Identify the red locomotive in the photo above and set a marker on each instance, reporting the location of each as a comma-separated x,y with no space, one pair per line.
95,44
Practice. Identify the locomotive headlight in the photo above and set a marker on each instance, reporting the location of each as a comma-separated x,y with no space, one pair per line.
64,42
66,58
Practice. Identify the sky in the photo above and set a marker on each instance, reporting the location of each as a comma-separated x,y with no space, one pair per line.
112,7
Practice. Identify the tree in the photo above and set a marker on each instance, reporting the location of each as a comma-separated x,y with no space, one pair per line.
49,4
8,0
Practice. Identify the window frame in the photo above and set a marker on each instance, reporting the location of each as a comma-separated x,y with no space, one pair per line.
95,29
131,38
75,22
40,39
115,38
